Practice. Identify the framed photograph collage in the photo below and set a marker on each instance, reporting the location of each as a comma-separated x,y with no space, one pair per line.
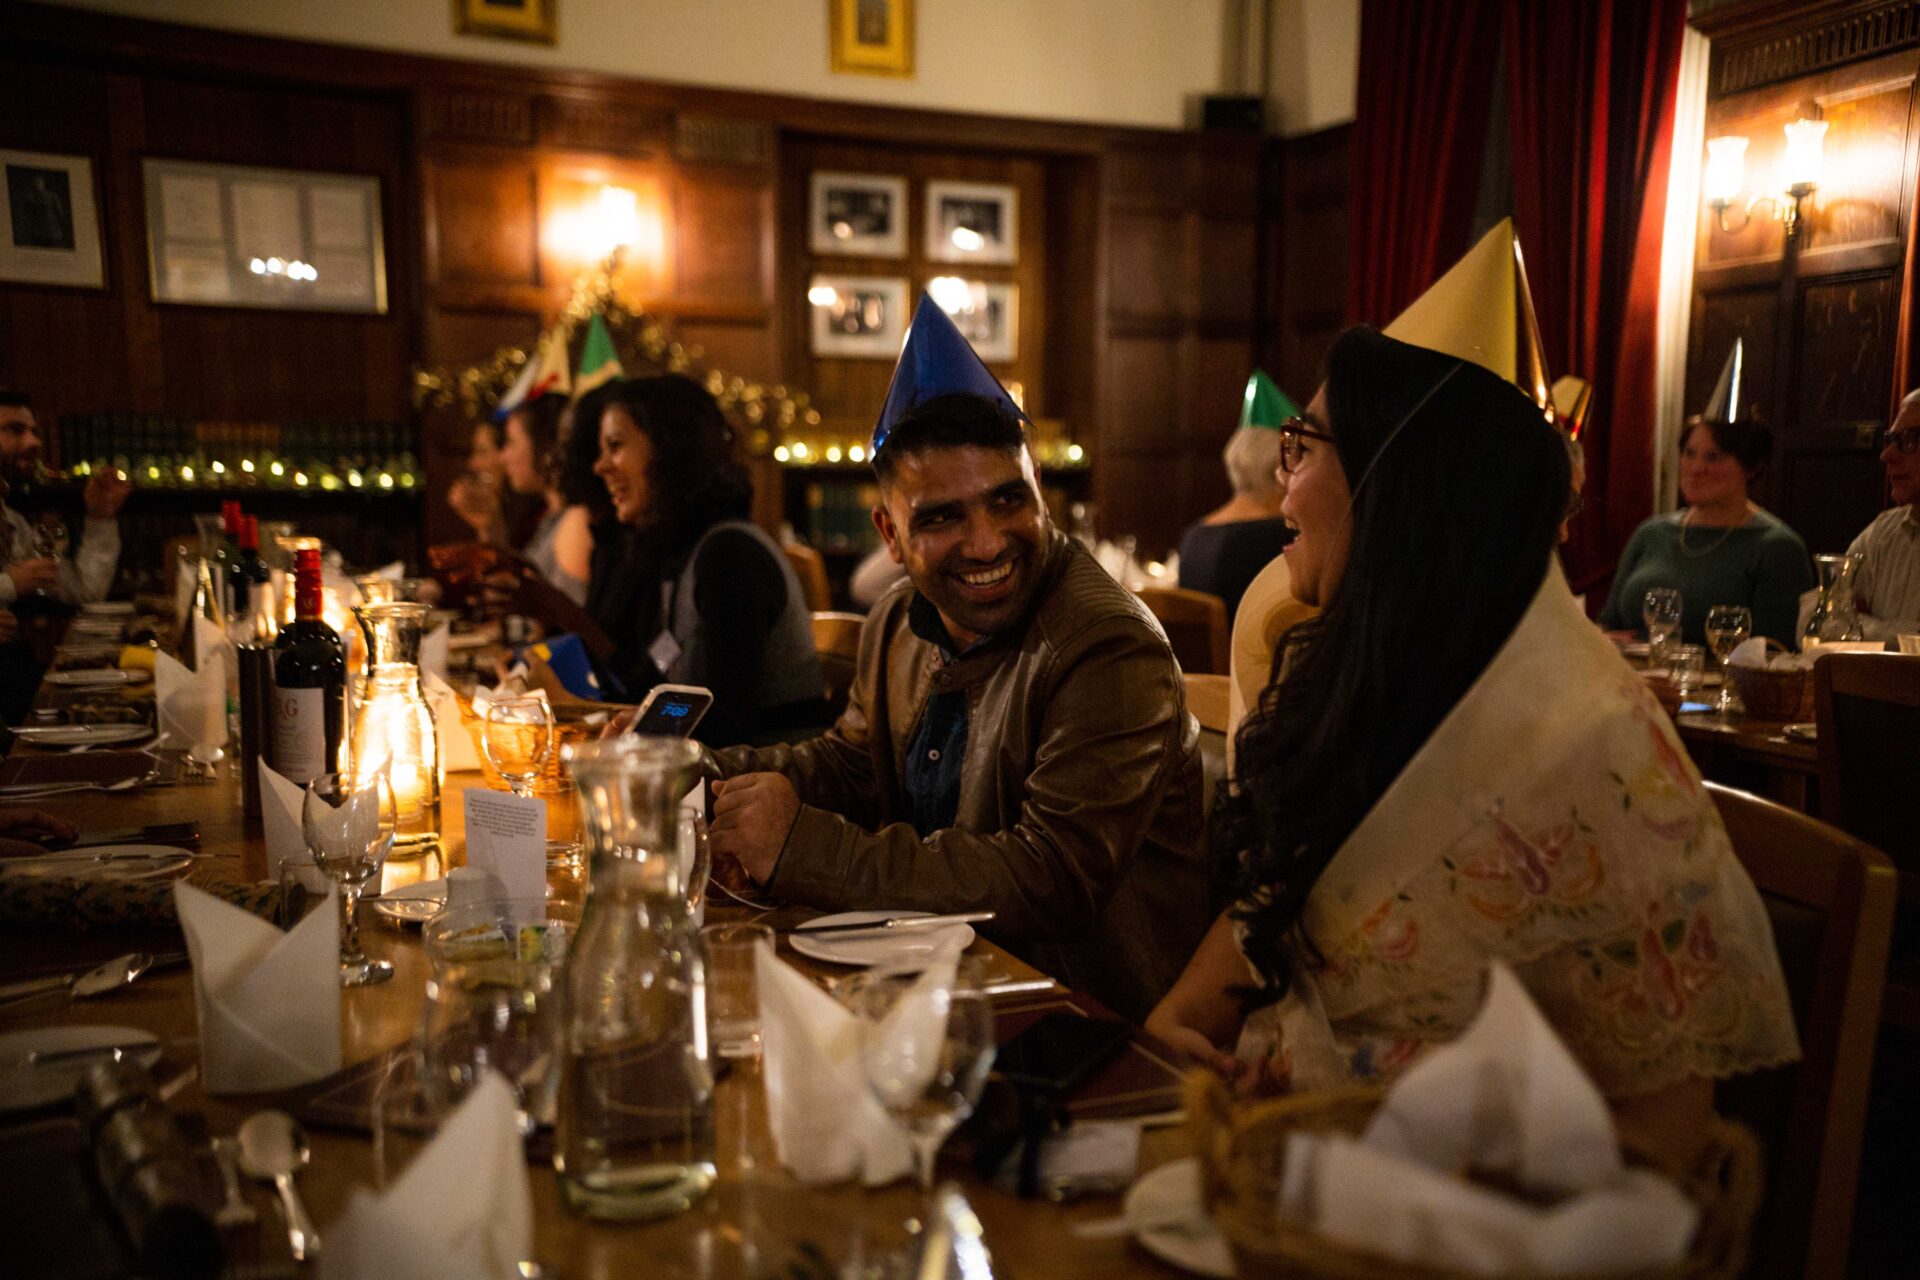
867,215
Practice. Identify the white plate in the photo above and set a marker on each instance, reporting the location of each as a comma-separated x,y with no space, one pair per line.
1173,1192
81,735
94,678
415,904
124,862
108,608
865,949
1634,649
23,1087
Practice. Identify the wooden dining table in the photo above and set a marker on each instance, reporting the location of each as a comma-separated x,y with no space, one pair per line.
757,1220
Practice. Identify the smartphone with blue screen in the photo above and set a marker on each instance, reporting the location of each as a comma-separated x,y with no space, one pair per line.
672,710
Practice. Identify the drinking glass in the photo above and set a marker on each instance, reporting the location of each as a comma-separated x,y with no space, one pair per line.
926,1046
493,1002
1688,669
49,543
696,861
349,827
1661,612
733,991
518,738
1728,627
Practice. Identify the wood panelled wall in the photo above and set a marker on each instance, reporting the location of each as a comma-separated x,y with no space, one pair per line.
1820,313
1309,182
1142,293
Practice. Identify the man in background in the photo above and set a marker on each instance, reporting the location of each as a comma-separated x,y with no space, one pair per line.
1886,589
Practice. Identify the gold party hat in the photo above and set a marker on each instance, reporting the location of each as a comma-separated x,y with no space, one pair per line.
1482,310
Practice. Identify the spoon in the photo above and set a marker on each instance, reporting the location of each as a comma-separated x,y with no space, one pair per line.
272,1148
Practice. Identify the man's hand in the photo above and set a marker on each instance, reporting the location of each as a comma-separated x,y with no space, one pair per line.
29,576
751,817
23,823
106,493
9,625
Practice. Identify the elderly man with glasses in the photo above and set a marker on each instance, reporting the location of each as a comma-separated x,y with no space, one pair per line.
1887,586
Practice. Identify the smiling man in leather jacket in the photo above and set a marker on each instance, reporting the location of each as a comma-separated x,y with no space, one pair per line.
1016,738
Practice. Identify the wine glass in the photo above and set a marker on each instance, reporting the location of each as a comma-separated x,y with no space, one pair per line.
349,827
50,542
1728,626
1660,610
926,1046
518,738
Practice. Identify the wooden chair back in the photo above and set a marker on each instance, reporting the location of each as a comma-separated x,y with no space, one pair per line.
1830,899
836,639
811,569
1207,699
1196,627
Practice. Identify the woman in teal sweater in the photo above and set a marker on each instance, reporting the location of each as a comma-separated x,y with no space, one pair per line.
1718,549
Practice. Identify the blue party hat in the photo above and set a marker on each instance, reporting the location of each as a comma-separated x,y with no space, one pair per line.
936,361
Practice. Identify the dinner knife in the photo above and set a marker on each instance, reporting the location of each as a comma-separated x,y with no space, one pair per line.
899,922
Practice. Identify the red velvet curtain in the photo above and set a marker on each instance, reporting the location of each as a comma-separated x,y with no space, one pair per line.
1591,95
1426,84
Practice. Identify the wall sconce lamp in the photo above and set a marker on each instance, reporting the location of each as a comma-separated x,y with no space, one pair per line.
1725,176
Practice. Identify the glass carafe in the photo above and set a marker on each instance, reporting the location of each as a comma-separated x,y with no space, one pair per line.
393,724
1834,617
635,1136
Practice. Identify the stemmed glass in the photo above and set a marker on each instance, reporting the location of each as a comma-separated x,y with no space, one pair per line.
349,827
926,1046
1728,627
518,738
50,542
1661,612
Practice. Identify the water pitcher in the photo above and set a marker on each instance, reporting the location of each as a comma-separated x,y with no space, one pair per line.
393,725
1834,618
635,1137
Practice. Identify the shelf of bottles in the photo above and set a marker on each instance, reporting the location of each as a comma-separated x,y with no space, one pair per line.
158,451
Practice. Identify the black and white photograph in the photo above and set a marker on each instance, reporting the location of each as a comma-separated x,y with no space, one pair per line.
858,214
859,316
49,228
987,314
972,222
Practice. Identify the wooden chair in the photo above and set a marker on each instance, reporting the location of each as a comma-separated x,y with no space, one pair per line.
1831,900
1207,699
811,569
1196,627
1868,708
836,638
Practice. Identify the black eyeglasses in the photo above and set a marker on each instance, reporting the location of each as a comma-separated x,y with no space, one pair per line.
1294,432
1905,441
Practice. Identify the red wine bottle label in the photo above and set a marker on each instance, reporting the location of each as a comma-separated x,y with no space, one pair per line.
300,734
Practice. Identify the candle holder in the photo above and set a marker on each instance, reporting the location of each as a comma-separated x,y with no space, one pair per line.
393,724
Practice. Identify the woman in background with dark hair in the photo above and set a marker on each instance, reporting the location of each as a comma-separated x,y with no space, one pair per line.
1453,768
697,593
561,547
1720,548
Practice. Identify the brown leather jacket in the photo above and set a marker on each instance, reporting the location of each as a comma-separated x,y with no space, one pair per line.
1080,818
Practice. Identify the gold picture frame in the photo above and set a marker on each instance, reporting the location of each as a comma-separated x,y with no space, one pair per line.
871,37
534,20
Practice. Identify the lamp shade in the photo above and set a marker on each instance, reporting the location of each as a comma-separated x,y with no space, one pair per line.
1800,167
1726,171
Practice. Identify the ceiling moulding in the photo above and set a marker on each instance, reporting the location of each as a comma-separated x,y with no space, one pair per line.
1761,42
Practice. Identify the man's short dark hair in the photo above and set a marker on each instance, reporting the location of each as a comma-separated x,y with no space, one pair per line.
957,420
11,399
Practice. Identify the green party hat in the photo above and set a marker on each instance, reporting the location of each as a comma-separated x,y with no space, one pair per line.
1266,405
599,362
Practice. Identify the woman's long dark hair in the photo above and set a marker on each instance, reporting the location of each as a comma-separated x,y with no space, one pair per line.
696,479
578,452
1454,517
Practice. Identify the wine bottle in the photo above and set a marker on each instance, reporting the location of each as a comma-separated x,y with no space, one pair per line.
249,573
309,683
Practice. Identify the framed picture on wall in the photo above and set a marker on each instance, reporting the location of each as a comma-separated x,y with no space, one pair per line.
972,222
870,37
864,317
987,314
858,213
233,236
49,226
509,19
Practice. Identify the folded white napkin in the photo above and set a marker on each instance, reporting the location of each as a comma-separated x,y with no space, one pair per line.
268,1003
463,1208
827,1126
191,706
1505,1097
280,801
433,653
457,753
1753,653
